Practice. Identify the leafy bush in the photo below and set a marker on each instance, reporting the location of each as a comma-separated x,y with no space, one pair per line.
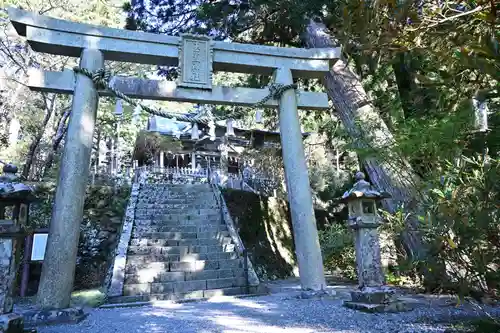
103,212
103,204
462,226
88,298
337,245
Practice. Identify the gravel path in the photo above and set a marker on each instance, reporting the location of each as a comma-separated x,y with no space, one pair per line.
277,313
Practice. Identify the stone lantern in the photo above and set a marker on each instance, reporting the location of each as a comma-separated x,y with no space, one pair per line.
16,197
372,294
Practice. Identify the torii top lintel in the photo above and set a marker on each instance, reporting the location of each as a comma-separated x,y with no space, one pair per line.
60,37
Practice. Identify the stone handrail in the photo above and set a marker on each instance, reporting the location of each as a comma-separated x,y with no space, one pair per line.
116,275
253,279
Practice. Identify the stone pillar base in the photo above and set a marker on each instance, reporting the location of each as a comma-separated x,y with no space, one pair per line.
376,300
11,323
320,294
33,318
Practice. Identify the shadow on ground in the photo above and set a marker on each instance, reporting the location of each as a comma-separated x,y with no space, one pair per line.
278,313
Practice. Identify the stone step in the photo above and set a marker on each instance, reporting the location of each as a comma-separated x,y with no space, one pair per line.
176,228
159,208
144,248
187,223
178,211
177,187
138,259
184,194
159,196
163,277
165,216
181,236
179,287
166,235
185,206
199,294
183,201
183,266
193,221
183,242
164,197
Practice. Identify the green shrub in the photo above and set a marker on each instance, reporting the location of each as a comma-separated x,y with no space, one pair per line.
88,298
337,245
103,204
462,227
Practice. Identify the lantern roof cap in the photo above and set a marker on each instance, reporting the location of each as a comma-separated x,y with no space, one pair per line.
11,189
363,190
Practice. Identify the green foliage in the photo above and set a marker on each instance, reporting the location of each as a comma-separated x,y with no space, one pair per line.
486,325
103,205
265,229
337,246
481,325
43,117
88,298
148,144
462,226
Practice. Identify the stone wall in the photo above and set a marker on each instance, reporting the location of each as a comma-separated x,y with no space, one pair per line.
99,232
95,252
265,228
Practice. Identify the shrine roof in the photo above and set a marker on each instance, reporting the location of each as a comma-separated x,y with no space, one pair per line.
172,127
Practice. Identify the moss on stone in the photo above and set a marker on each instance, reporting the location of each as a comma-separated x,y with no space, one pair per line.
265,228
103,213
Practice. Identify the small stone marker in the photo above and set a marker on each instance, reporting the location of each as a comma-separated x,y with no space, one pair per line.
373,295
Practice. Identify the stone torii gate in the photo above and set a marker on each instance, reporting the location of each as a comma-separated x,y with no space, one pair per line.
197,57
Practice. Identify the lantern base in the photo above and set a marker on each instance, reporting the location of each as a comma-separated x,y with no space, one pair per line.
396,306
320,294
376,300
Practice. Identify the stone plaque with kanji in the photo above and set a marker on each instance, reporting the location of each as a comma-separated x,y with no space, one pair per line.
195,62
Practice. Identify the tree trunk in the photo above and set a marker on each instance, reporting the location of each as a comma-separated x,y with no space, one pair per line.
56,141
49,108
367,130
405,82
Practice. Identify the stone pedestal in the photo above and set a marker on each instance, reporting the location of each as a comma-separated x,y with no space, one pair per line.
7,273
376,300
35,317
11,323
368,260
373,295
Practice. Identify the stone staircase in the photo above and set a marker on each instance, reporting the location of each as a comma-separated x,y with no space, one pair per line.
180,247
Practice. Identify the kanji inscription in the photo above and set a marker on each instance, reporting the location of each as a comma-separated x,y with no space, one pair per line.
195,61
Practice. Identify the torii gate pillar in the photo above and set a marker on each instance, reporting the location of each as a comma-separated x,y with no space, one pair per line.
305,231
198,57
58,270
